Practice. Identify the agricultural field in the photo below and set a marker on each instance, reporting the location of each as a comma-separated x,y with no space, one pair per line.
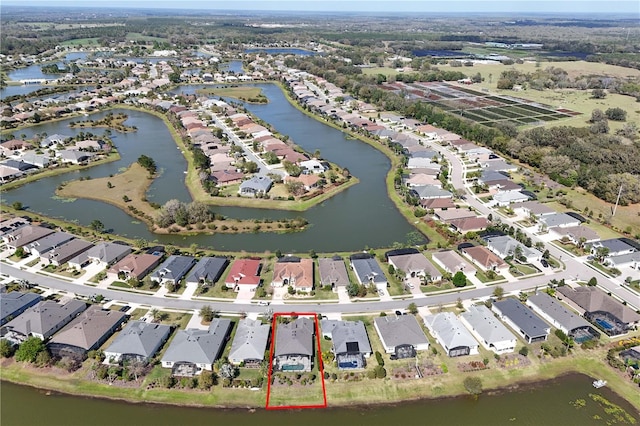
482,106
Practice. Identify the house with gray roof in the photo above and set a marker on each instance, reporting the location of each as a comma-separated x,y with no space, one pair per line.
562,318
107,253
451,334
193,350
255,186
14,303
561,220
602,310
74,156
138,341
43,320
25,235
350,342
522,320
294,347
615,246
631,260
207,270
577,234
428,192
534,208
249,343
51,241
368,271
86,332
415,265
333,272
488,330
9,225
401,335
63,253
173,269
505,246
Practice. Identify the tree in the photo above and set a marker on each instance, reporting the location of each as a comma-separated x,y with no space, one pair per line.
148,163
20,253
616,114
459,279
413,309
206,380
524,351
206,313
96,225
473,385
29,350
498,292
598,94
592,282
17,205
6,348
125,199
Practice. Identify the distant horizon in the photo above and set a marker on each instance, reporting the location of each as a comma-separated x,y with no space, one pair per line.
574,7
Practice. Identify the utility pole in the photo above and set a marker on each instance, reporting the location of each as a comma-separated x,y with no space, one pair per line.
617,201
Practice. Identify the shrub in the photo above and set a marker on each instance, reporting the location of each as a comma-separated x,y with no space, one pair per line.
473,385
379,359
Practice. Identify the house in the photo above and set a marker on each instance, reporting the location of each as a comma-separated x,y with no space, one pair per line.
505,246
313,166
65,252
14,303
138,341
614,247
486,328
107,253
308,181
453,214
509,197
255,186
401,335
451,334
452,262
428,192
484,258
51,241
631,260
577,234
173,269
350,342
193,350
415,265
561,220
293,271
86,332
244,273
25,235
556,314
9,225
134,266
43,320
522,320
602,310
294,347
75,157
368,271
333,272
533,208
249,343
207,270
469,224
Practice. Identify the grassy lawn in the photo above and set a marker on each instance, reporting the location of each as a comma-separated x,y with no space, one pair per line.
138,313
482,276
92,41
219,290
142,37
523,270
242,92
178,319
604,269
571,248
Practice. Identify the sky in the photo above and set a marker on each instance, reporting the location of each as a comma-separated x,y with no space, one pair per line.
514,6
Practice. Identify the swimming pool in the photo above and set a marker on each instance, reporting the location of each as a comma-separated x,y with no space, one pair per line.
604,324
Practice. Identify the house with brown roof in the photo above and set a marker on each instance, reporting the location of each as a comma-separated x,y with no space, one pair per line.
484,258
134,266
244,273
86,332
415,265
469,224
309,182
25,235
293,271
452,262
333,272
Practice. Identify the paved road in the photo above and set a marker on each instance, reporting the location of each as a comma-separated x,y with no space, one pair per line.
356,307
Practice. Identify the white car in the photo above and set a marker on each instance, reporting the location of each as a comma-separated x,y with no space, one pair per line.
263,303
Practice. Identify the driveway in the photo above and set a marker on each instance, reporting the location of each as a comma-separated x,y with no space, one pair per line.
244,296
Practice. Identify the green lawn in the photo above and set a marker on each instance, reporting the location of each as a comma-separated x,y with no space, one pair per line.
92,41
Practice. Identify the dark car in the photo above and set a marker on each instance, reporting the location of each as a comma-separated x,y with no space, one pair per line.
544,263
124,308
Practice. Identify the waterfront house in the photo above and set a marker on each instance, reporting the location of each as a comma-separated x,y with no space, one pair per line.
51,241
469,224
415,265
138,341
86,332
333,272
107,253
559,316
207,270
522,320
134,266
368,271
451,334
10,225
602,310
173,269
255,186
25,235
193,350
293,271
14,303
249,343
43,320
61,254
350,342
401,335
294,347
452,262
244,273
488,330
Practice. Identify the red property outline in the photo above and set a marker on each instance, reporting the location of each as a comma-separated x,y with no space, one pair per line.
319,357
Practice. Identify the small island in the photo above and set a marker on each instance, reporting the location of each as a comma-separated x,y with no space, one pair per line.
252,95
110,121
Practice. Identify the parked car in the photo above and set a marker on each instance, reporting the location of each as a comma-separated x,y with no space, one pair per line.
544,263
263,303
